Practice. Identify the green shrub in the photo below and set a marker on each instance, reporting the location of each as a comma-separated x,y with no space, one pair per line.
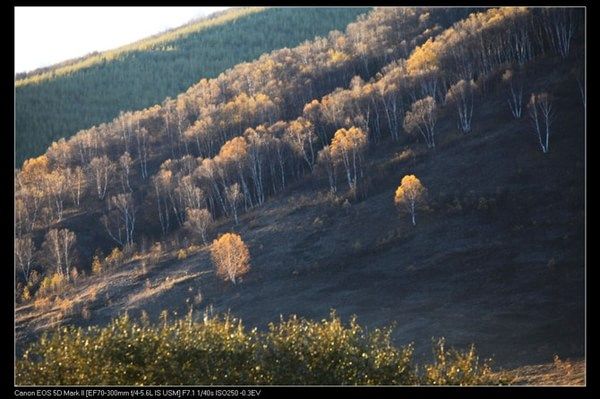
453,367
305,352
219,350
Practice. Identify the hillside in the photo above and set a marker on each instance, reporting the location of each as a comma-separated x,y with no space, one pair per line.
300,153
475,274
58,101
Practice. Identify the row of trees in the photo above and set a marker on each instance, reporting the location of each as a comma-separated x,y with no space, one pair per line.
58,253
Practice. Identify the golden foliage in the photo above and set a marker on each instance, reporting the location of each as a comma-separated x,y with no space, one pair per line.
182,254
409,191
337,57
34,169
115,258
53,284
26,295
230,256
234,150
423,58
96,265
348,140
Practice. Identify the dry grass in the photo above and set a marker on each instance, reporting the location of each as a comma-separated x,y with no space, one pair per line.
558,373
158,288
42,303
405,155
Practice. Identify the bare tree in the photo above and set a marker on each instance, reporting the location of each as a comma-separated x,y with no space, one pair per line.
56,188
515,94
159,183
27,208
258,142
193,196
233,195
542,115
77,184
301,137
198,222
325,159
560,24
120,225
422,118
125,162
141,136
24,251
461,95
60,249
101,169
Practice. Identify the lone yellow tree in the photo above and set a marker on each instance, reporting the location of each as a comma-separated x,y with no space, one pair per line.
230,256
409,194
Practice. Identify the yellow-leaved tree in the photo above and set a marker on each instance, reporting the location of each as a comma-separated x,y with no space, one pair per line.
347,147
410,193
230,256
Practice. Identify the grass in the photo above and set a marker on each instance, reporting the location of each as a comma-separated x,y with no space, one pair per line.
159,288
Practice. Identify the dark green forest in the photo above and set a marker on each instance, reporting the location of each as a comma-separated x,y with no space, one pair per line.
59,106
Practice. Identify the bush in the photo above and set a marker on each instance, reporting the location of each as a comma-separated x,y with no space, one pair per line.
407,154
25,295
220,351
54,284
96,265
182,254
453,367
155,253
115,259
299,351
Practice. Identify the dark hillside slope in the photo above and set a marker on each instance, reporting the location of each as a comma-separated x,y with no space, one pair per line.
497,259
58,103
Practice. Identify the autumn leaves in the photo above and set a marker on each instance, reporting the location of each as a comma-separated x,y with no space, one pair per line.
409,194
230,256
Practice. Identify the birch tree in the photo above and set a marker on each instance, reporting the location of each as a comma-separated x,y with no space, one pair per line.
230,256
347,146
233,195
515,93
301,137
409,194
125,163
461,95
422,118
60,250
198,222
119,222
24,251
101,170
542,115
